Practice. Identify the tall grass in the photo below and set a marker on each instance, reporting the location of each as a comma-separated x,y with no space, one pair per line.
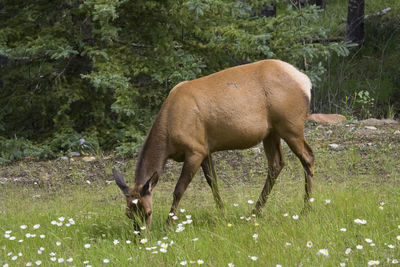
282,239
359,180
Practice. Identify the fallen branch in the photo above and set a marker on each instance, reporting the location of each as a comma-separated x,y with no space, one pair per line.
377,14
325,40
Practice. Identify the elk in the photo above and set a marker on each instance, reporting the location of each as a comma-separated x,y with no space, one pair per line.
236,108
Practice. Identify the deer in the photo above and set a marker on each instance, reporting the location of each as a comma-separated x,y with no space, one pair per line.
236,108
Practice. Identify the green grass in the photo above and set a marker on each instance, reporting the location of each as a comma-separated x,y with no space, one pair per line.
356,178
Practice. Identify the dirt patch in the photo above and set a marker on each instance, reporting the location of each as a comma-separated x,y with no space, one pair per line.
378,122
232,166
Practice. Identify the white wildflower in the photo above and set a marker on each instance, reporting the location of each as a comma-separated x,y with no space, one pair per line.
324,252
253,258
360,221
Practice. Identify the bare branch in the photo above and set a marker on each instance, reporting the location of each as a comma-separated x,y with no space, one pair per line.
377,14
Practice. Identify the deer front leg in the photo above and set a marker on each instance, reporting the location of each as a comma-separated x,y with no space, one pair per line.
189,169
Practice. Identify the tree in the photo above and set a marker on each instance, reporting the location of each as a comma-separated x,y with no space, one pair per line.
355,21
102,68
321,3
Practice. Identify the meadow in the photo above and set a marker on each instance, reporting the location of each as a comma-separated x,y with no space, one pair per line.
70,213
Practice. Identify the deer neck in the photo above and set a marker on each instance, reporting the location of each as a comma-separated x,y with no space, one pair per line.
152,157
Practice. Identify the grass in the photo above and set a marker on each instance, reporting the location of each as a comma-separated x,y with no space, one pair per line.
357,177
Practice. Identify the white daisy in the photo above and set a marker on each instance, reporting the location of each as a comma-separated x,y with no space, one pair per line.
324,252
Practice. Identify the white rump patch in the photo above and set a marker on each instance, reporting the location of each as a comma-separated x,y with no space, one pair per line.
301,78
135,201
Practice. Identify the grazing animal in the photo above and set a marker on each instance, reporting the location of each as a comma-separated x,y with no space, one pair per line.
236,108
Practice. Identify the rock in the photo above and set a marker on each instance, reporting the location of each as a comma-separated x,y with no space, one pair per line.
370,127
376,122
64,158
327,118
334,146
74,154
88,159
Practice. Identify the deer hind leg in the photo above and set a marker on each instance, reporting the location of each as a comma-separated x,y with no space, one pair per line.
273,151
304,152
209,172
190,167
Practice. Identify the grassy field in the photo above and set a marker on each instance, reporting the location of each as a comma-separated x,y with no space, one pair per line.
71,213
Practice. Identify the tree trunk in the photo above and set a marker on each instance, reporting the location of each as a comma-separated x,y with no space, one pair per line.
321,3
355,21
268,10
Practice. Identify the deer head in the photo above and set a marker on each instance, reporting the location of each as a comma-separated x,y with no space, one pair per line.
139,203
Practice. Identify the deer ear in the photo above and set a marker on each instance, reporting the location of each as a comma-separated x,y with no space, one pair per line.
150,184
119,179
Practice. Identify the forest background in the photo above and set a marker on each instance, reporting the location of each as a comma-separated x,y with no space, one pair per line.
89,76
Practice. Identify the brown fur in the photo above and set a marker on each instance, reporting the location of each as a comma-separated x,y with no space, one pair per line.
236,108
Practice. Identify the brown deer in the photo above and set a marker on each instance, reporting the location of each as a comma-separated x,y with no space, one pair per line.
236,108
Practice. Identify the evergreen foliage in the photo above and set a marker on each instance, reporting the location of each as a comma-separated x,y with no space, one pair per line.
100,69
